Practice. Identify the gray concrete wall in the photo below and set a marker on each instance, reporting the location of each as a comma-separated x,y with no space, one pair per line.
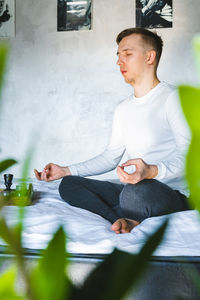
61,88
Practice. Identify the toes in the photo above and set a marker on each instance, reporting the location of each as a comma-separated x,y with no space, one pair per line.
120,226
116,226
125,226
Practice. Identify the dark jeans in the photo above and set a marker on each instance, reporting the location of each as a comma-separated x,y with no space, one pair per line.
112,201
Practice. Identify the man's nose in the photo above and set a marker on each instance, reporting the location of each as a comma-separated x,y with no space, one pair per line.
119,61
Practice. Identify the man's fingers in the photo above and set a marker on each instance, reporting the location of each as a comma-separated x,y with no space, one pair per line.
46,176
121,177
128,178
47,171
48,166
122,174
121,171
43,175
127,163
131,162
37,174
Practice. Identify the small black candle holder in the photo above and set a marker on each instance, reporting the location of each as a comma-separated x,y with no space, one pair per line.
8,181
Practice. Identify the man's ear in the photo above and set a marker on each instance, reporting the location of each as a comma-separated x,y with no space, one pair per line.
151,57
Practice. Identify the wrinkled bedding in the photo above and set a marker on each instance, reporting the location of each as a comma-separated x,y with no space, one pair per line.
91,234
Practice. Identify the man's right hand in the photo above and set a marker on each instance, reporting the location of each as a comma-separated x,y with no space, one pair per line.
52,172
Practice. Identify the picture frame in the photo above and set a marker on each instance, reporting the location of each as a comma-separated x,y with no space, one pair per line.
154,13
7,18
74,15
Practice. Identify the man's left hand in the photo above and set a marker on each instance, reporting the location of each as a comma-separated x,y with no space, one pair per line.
143,171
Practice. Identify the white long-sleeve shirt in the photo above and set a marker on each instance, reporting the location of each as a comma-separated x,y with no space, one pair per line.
151,127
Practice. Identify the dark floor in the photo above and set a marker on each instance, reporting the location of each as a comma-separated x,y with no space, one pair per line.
165,278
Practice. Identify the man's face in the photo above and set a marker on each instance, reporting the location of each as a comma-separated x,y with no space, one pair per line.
132,57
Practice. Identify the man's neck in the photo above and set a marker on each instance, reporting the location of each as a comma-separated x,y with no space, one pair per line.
143,87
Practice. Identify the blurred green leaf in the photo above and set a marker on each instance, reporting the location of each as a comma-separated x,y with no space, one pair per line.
49,281
4,231
190,100
9,236
7,283
196,45
119,272
25,192
17,230
7,163
4,48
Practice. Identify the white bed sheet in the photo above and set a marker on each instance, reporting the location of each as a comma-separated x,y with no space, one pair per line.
90,233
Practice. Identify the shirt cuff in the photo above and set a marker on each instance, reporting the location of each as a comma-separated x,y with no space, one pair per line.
73,170
161,171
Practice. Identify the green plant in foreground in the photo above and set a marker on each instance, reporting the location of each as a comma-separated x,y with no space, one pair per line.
190,100
112,279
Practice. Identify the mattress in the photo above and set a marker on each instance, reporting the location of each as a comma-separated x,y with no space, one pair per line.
89,233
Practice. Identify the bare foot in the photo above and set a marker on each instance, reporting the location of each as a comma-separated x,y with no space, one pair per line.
124,225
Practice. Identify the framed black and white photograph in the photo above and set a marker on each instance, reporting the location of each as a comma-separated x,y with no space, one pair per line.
7,18
74,15
154,13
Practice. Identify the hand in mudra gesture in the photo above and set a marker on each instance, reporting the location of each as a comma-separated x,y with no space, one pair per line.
143,171
52,172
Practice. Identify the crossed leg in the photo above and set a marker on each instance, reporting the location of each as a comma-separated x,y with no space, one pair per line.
145,199
124,206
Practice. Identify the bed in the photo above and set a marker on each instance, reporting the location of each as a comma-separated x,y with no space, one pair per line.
90,236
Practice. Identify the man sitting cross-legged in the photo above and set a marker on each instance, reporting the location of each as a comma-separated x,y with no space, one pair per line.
151,128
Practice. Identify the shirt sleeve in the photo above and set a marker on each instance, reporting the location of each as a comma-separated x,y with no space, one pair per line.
175,167
109,159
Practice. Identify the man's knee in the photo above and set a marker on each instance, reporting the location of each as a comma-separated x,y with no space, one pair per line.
67,186
136,193
134,200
